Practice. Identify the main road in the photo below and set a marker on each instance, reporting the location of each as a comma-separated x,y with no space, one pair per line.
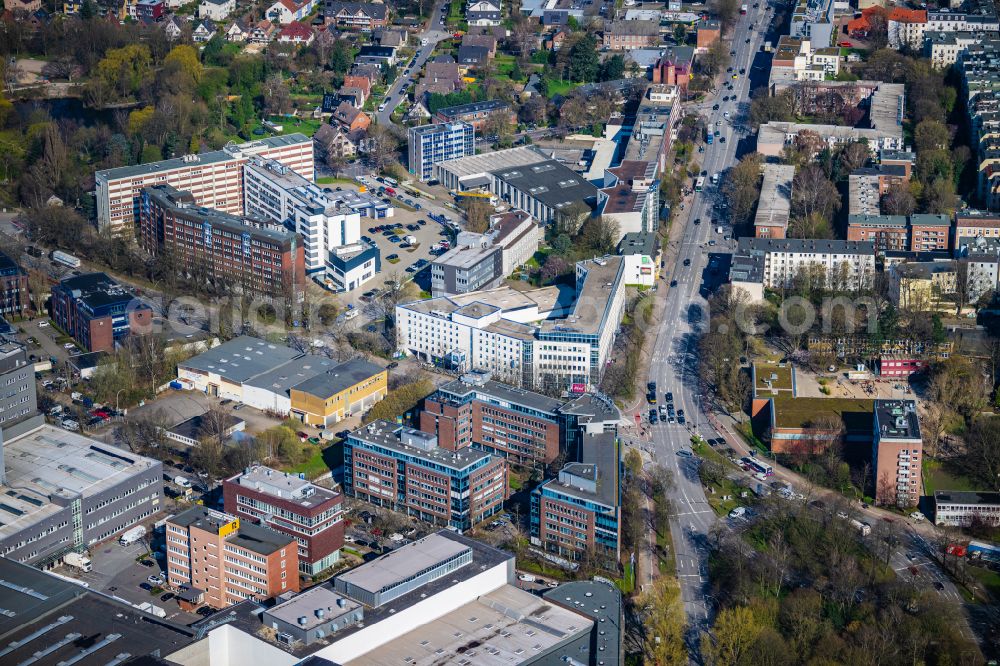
674,360
434,31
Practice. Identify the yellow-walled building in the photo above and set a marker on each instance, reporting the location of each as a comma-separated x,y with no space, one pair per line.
349,388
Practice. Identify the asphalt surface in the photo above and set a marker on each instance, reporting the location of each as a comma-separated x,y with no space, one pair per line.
673,365
434,31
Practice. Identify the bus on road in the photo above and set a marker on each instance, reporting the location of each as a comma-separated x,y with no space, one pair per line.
757,467
699,184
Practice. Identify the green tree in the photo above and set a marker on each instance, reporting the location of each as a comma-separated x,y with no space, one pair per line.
733,634
613,68
584,63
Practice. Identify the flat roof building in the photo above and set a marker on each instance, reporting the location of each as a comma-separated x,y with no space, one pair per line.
775,203
51,475
98,312
534,339
19,399
405,469
224,561
897,453
432,144
50,621
215,178
287,503
966,508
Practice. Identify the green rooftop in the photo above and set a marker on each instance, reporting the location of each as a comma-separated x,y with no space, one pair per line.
792,412
771,378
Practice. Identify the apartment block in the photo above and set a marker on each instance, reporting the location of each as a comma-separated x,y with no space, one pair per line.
897,452
522,426
930,233
431,144
888,233
965,508
797,59
946,48
406,470
219,560
475,113
215,179
287,503
98,312
18,398
629,35
841,265
249,254
15,299
971,223
906,27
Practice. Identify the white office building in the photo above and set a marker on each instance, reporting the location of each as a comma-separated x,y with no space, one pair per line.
540,339
845,265
327,220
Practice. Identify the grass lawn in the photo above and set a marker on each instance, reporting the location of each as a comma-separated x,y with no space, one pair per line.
330,180
543,569
561,87
941,476
320,462
990,580
627,582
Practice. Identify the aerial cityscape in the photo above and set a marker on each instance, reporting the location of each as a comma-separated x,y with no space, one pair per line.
499,332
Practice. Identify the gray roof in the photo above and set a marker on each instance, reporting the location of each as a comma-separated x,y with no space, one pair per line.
404,563
966,497
638,242
599,463
409,442
813,245
339,378
550,182
259,539
296,371
242,358
601,602
40,610
495,391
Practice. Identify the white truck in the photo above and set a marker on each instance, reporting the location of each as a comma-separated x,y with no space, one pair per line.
132,536
864,528
78,561
182,482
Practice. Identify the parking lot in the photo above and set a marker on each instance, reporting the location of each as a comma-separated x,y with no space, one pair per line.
117,571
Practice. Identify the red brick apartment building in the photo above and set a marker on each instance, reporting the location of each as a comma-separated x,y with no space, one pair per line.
222,562
929,233
888,232
405,469
215,178
261,259
520,425
898,451
311,514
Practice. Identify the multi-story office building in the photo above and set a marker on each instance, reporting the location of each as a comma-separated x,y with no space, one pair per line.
841,265
897,452
14,295
65,492
329,221
247,254
215,179
522,426
472,265
227,560
405,469
311,514
18,399
431,144
580,510
97,311
528,339
961,508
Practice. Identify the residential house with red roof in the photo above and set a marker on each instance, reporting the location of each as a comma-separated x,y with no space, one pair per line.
296,33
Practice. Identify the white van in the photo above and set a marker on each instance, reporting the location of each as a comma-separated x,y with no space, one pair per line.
182,482
738,512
